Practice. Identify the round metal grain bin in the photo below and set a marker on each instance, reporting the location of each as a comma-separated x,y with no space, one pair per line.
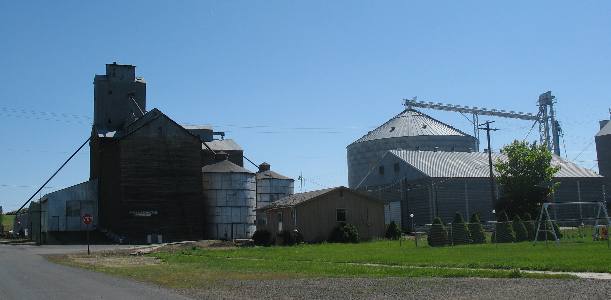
271,186
409,130
229,192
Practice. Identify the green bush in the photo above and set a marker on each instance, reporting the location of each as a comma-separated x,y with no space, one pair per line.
460,232
519,229
504,231
438,235
529,223
290,237
262,238
344,233
476,230
392,231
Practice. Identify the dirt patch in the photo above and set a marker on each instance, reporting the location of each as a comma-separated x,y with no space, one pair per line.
115,261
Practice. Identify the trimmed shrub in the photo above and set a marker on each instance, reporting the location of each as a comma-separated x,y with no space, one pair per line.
476,230
504,231
545,227
438,235
290,237
262,238
519,229
529,223
344,233
460,232
392,231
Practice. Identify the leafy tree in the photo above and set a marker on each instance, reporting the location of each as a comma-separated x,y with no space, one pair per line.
504,231
476,229
526,177
460,232
519,229
392,231
438,235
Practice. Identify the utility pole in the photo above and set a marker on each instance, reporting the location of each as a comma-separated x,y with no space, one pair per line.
488,129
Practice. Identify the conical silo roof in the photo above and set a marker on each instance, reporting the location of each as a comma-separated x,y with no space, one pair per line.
411,122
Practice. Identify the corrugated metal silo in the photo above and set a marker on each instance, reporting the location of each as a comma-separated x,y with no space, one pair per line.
271,186
230,196
409,130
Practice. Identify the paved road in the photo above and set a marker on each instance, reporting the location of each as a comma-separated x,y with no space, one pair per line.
24,274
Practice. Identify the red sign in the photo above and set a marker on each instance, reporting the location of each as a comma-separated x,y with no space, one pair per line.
87,219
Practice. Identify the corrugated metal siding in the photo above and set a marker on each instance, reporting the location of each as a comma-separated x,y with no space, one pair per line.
63,209
363,157
442,164
230,203
392,213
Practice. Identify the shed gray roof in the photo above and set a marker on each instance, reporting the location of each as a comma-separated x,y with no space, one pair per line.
440,164
606,130
296,199
223,145
411,123
224,166
271,175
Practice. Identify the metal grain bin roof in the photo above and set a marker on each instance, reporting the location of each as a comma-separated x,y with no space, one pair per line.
271,175
411,123
224,166
441,164
606,130
223,145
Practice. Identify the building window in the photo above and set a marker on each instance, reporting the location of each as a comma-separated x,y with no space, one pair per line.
397,168
280,222
340,214
381,170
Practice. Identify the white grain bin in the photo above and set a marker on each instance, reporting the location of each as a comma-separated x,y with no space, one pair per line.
230,197
271,186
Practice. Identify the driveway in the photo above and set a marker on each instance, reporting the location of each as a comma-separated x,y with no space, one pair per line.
25,274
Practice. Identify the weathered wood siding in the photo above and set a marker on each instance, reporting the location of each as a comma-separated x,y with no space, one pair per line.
316,219
150,182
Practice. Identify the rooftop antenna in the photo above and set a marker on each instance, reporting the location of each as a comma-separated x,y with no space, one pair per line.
300,178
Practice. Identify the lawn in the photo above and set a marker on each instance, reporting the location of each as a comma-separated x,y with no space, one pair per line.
576,257
7,221
197,267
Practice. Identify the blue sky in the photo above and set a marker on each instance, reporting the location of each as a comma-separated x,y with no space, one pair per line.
294,82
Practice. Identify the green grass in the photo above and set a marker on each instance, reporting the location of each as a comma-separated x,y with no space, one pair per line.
198,267
7,221
576,257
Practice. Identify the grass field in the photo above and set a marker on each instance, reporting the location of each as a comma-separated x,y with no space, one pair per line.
7,221
194,267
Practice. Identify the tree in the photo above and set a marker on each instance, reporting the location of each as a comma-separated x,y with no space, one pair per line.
476,229
438,235
460,232
504,231
392,231
526,177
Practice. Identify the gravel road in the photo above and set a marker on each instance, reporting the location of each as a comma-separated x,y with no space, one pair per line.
408,288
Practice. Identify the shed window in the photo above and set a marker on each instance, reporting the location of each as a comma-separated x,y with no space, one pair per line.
340,214
397,168
381,170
